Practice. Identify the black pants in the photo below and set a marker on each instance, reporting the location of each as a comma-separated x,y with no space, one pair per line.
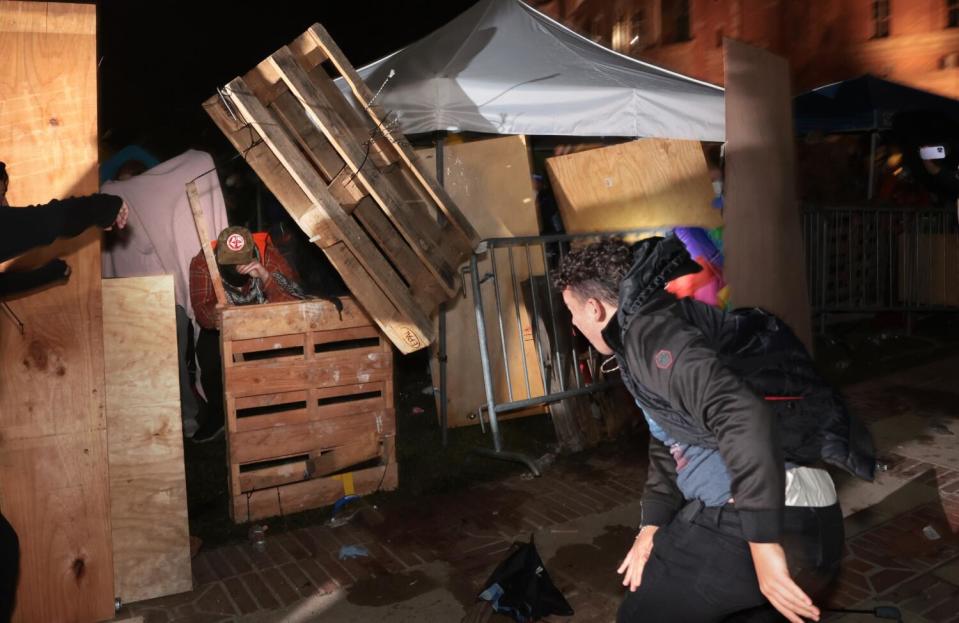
9,568
701,569
211,372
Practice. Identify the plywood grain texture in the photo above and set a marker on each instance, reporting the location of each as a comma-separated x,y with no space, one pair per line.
151,536
490,182
765,263
650,182
53,448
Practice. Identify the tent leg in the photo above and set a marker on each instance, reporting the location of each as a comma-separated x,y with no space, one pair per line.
441,356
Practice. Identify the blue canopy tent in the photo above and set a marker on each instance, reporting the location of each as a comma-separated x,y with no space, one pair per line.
866,104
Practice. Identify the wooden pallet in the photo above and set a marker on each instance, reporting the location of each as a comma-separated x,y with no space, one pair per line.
351,181
308,394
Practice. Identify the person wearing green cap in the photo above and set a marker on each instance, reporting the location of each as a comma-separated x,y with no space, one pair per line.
249,277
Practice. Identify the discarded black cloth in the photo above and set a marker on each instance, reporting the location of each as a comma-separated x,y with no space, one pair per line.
521,587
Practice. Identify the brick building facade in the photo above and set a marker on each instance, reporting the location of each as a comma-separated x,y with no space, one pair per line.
915,42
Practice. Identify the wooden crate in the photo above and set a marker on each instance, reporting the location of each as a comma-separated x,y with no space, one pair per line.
308,394
351,181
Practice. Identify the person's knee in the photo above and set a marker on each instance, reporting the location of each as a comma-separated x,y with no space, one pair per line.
639,607
627,609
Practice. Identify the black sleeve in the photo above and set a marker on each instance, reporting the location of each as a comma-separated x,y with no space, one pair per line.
673,360
12,283
661,497
22,229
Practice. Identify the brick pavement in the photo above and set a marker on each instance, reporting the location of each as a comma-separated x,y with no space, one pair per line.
891,562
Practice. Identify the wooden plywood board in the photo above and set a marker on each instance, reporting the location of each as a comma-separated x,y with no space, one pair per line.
490,182
764,257
53,450
151,537
649,182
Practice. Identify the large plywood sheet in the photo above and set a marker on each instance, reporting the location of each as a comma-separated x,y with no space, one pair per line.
151,536
53,450
644,183
764,265
491,184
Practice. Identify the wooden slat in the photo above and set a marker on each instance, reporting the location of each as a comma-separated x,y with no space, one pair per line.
406,338
330,369
54,481
327,208
283,441
363,448
267,344
321,39
416,203
313,411
424,286
342,335
360,388
316,146
205,242
311,493
151,535
269,319
257,154
415,225
271,400
313,222
273,476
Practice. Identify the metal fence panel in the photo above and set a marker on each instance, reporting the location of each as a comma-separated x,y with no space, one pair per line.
865,259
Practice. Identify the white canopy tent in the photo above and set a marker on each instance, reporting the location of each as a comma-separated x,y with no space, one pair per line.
503,67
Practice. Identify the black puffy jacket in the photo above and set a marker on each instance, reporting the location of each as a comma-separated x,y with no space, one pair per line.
740,382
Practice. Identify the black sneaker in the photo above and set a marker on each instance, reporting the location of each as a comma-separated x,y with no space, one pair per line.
208,431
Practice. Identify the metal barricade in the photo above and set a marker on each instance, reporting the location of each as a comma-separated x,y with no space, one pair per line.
530,355
868,259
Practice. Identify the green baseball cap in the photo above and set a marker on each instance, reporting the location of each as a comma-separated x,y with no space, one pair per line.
234,246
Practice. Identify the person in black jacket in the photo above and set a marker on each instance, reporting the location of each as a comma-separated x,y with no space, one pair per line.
735,514
22,229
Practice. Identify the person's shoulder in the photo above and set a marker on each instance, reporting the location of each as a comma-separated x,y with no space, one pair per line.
198,260
657,342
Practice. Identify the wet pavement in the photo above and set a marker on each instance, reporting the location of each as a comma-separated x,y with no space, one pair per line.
430,555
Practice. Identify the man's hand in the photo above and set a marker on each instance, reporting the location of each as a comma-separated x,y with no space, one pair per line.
255,269
777,586
635,560
121,220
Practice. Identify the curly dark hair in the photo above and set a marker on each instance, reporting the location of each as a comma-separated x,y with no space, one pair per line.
595,271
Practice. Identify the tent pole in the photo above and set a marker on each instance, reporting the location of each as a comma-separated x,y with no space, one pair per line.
438,146
873,143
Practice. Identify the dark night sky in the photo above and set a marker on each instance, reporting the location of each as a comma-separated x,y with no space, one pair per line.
160,60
